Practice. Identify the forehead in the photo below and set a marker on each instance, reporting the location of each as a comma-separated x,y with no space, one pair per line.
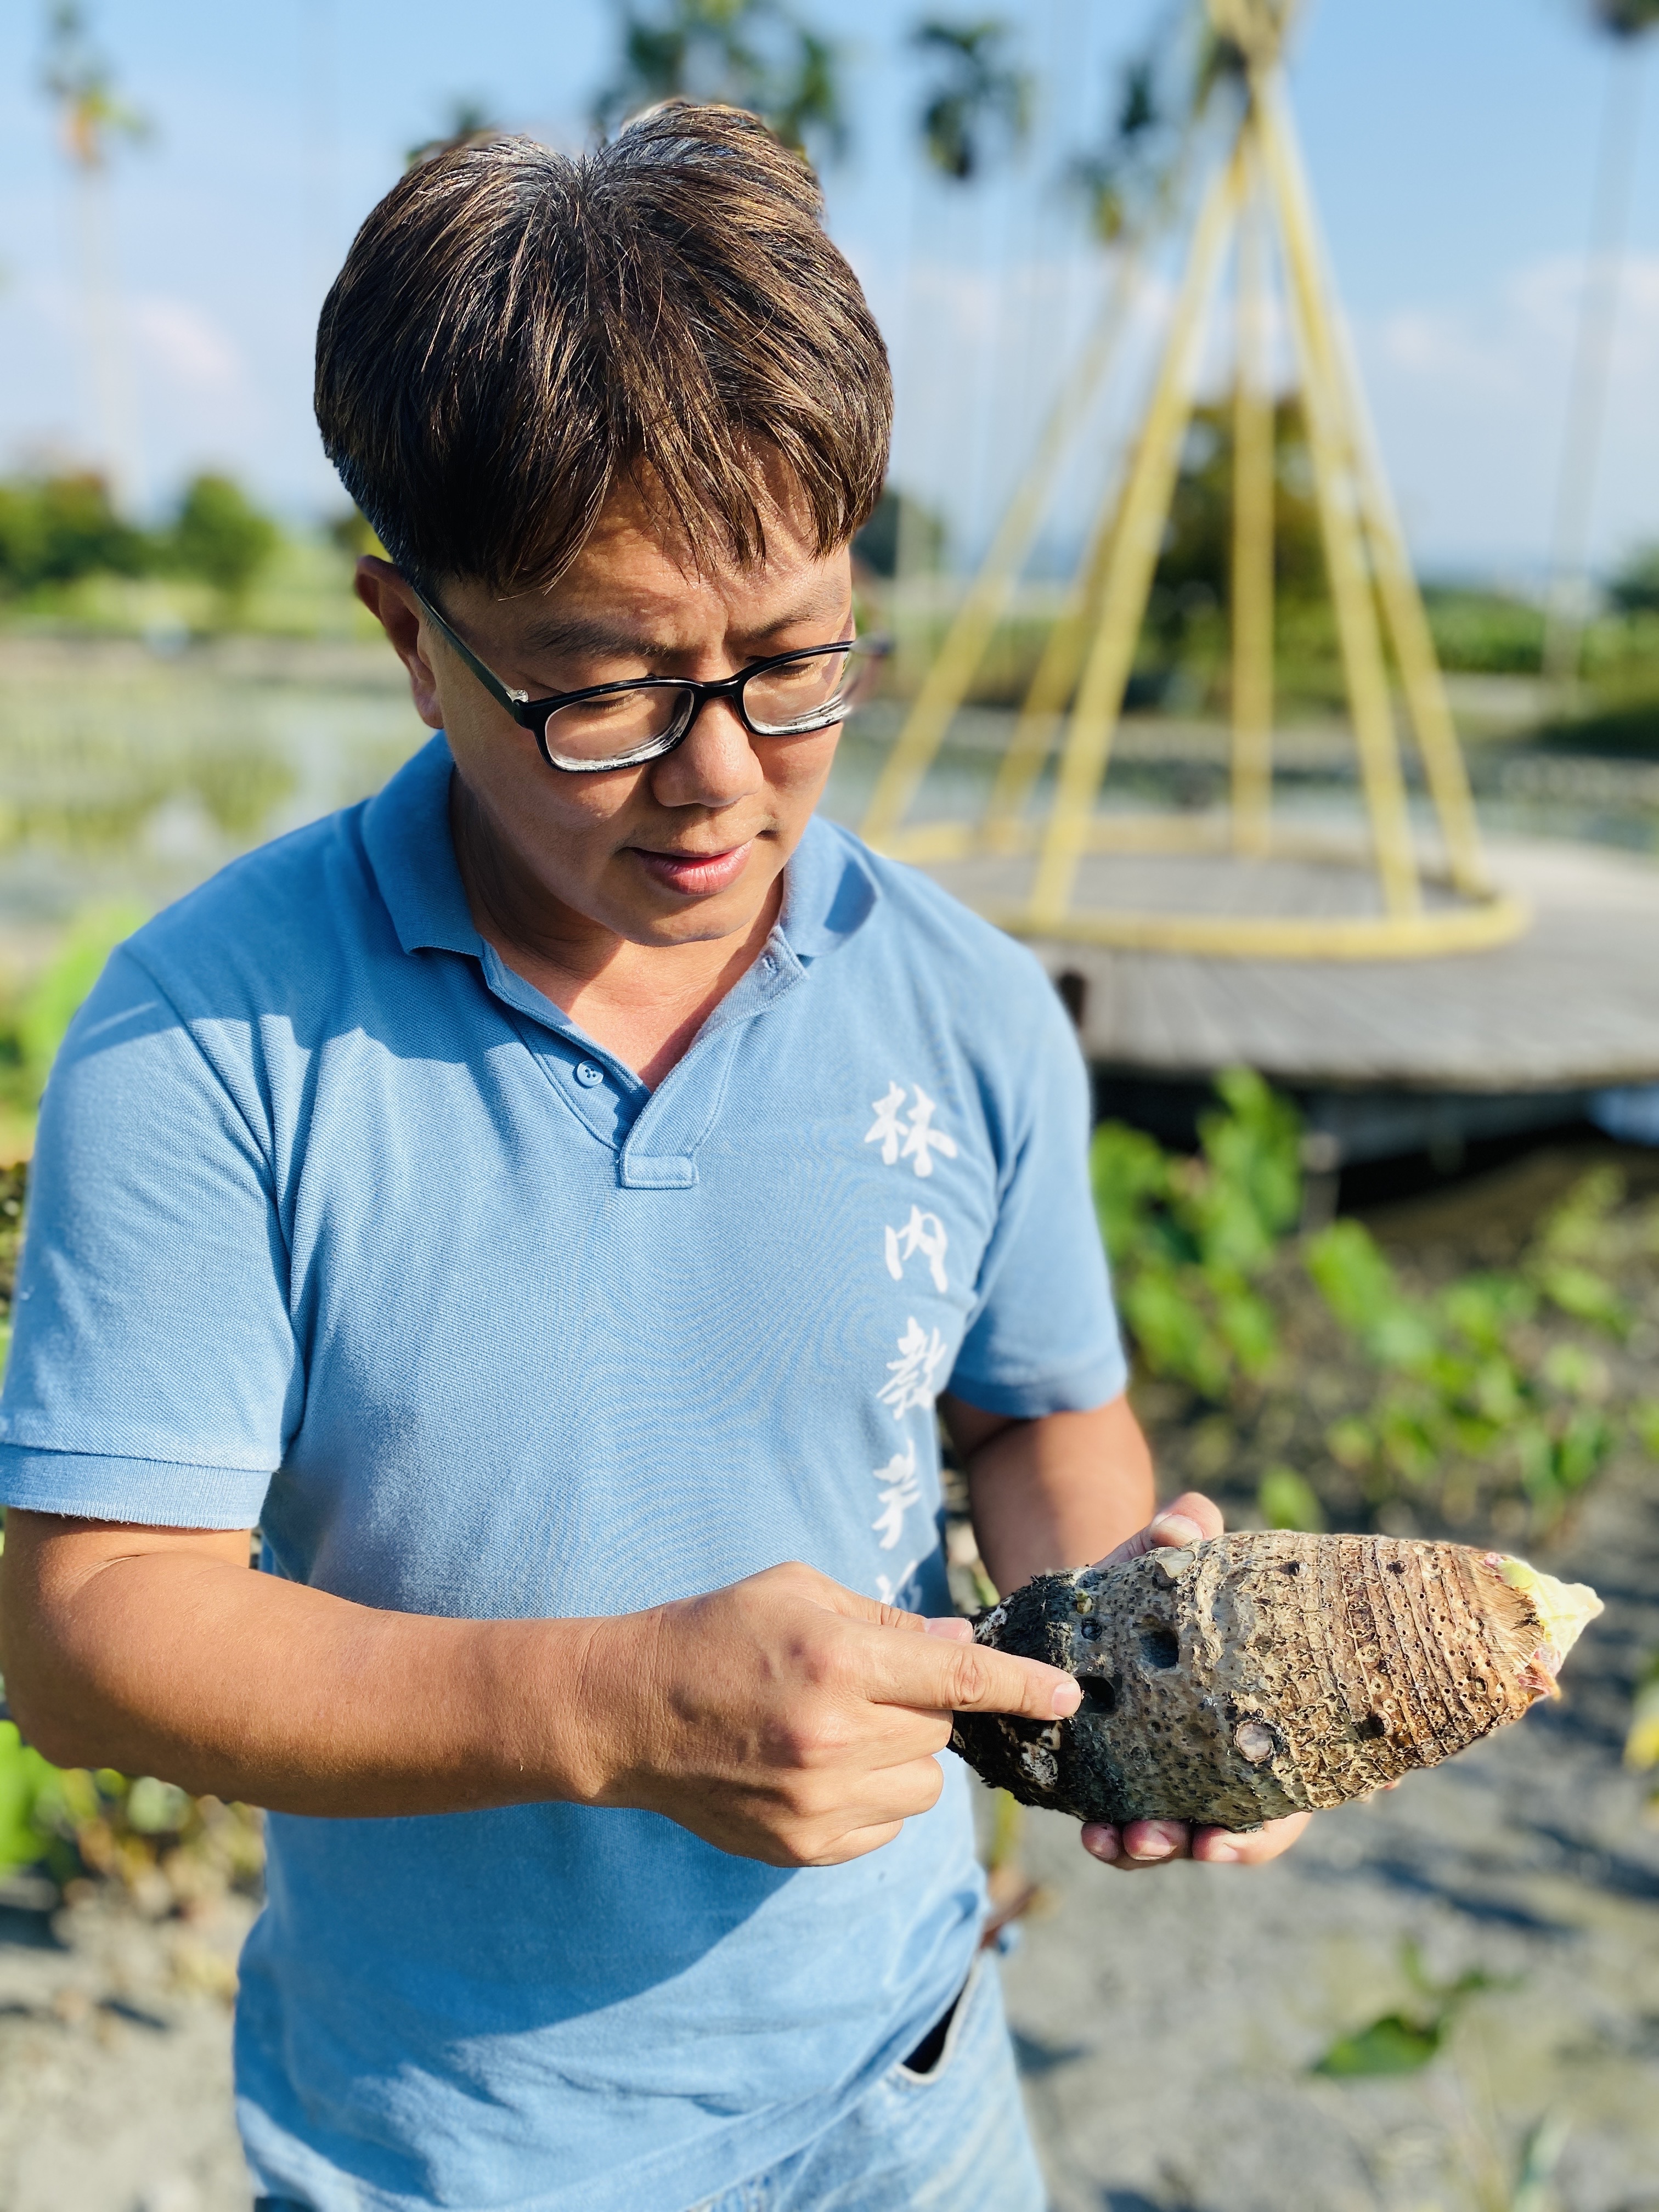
635,556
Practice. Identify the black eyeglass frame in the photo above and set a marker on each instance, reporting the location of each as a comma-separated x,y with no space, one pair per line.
534,715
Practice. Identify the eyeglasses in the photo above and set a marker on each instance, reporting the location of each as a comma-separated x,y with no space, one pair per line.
610,726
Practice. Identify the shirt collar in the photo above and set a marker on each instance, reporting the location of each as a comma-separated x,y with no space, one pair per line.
830,890
406,837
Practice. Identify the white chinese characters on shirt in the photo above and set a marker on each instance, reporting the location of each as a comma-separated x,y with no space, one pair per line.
913,1379
923,1233
906,1129
915,1139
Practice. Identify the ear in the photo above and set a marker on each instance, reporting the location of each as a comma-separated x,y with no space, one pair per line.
396,608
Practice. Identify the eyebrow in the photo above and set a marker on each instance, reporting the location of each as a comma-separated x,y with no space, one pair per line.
575,633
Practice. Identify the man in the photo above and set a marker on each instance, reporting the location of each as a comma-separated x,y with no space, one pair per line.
550,1200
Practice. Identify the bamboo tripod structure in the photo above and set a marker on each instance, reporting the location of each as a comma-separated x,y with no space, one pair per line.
1257,195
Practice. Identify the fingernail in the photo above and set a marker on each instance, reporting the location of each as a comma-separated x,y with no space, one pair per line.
1102,1843
1065,1700
953,1630
1222,1855
1176,1528
1156,1844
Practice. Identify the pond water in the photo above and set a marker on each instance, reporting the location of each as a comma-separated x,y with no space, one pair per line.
129,775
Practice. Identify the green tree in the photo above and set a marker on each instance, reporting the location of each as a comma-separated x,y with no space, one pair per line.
1193,578
468,121
220,536
55,529
755,54
979,99
1634,587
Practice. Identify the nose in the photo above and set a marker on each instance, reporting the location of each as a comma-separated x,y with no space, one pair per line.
715,766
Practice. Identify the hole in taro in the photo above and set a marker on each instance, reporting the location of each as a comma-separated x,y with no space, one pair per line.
1292,1566
1396,1567
1371,1727
1092,1632
1160,1647
1099,1693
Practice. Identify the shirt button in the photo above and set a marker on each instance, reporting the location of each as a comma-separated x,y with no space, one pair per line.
587,1074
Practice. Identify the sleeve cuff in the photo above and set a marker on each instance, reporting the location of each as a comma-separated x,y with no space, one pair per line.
1078,1390
152,1493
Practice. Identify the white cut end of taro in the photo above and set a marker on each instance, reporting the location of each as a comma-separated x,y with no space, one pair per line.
1255,1741
1565,1610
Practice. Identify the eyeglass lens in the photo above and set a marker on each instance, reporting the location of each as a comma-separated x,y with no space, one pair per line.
799,697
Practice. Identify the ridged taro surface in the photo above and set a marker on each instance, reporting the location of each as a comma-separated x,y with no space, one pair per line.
1260,1673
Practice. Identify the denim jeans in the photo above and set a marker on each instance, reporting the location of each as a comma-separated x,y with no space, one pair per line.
953,2140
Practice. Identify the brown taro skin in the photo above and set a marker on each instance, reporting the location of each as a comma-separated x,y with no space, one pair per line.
1258,1674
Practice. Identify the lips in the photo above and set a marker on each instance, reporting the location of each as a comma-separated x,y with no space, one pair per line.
694,875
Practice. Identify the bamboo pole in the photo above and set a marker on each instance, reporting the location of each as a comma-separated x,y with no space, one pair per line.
1402,603
1136,543
1252,582
1051,685
946,682
1358,633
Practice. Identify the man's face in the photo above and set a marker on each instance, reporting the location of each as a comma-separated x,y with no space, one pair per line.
687,847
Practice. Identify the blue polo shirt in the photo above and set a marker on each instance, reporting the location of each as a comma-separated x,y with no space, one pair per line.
340,1227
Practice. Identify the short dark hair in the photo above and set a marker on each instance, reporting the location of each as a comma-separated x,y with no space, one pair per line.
515,332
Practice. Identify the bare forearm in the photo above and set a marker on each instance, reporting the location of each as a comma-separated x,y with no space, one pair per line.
286,1696
1058,1493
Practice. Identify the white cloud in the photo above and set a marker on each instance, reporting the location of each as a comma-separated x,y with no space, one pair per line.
178,340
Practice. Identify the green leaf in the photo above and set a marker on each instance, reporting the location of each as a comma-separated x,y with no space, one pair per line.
1130,1173
1174,1333
24,1780
1361,1289
1583,1294
1288,1500
1393,2044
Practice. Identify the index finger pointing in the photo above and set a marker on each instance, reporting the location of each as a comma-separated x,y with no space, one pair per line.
933,1674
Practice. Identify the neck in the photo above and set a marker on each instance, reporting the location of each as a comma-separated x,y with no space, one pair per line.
645,1003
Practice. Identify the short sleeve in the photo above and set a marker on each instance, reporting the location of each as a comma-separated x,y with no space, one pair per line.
1043,1335
154,1374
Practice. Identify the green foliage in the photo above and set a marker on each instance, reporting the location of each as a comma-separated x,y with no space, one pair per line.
145,1834
1470,1381
1404,2042
1393,2044
896,515
1192,586
755,54
1498,1384
57,528
1487,633
26,1782
1286,1499
980,97
1187,1237
219,535
32,1028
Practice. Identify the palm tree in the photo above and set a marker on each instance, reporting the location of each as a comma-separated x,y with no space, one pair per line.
979,95
756,54
1625,22
92,120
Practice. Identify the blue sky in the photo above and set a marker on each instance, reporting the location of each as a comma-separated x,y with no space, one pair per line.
1452,144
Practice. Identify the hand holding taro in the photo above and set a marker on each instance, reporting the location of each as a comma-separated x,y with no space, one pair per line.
1139,1844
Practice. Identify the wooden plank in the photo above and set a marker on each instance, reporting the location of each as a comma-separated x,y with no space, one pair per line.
1572,1004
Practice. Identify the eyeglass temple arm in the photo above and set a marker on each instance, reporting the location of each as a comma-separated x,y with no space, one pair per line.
499,692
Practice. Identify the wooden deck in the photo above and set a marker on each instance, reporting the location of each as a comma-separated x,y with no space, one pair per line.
1572,1004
